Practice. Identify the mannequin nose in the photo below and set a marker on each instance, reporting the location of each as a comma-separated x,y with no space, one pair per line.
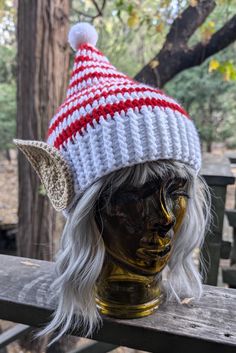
162,228
160,218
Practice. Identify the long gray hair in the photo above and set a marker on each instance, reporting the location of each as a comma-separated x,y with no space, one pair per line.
82,250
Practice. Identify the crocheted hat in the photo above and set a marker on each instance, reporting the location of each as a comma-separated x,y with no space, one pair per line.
107,122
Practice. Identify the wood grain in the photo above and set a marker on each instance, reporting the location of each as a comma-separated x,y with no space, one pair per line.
216,170
208,325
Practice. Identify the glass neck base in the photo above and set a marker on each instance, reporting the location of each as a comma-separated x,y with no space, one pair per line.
122,311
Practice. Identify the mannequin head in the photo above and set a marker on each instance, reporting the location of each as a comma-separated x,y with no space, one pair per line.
85,239
138,224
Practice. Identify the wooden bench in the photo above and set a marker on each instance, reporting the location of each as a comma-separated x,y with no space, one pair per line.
208,325
217,172
231,156
229,274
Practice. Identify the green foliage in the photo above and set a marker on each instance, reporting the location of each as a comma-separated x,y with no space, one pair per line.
209,99
7,73
7,21
7,95
130,32
224,10
7,114
7,64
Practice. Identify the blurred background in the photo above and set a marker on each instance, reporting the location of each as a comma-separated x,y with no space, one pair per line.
186,47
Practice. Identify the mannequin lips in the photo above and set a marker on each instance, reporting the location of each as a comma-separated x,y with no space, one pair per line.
153,246
153,252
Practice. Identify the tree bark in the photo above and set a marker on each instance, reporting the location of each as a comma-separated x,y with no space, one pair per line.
209,146
176,55
43,63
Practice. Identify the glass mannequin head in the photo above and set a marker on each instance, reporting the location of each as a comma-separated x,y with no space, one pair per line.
139,223
123,215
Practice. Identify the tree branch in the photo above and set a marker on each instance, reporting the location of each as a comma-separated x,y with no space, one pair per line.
175,55
97,7
186,24
220,40
99,10
81,13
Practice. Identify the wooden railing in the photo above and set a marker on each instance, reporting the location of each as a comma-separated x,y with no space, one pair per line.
217,172
205,326
229,273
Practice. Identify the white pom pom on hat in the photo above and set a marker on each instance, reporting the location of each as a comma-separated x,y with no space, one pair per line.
82,33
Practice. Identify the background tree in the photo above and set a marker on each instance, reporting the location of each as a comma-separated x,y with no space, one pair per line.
7,75
43,60
209,99
178,36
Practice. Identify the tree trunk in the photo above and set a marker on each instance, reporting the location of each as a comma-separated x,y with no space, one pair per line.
209,146
43,63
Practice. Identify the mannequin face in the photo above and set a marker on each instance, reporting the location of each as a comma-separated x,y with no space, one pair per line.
138,225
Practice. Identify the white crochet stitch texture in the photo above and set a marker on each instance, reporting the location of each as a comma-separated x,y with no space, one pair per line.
126,140
108,121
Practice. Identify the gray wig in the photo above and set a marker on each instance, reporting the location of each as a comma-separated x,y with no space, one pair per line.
82,250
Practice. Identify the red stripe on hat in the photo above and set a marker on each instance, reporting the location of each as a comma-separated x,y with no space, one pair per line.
85,58
96,75
94,66
113,81
91,89
105,94
90,47
111,109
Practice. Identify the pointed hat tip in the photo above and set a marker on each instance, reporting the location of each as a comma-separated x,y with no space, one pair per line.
82,33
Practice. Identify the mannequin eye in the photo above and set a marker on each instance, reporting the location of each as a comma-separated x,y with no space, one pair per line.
179,193
124,198
178,188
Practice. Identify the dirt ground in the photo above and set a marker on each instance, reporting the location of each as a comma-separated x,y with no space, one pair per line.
8,215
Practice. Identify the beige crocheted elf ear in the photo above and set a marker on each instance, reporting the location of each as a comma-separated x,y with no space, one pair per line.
52,170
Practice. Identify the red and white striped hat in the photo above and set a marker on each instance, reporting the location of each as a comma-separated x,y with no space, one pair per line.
108,121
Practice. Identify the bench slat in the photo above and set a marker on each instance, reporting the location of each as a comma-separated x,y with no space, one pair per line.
206,325
13,334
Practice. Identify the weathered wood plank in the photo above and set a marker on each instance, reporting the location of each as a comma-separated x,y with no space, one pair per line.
229,276
216,170
13,334
212,246
225,249
207,325
231,214
95,347
231,156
